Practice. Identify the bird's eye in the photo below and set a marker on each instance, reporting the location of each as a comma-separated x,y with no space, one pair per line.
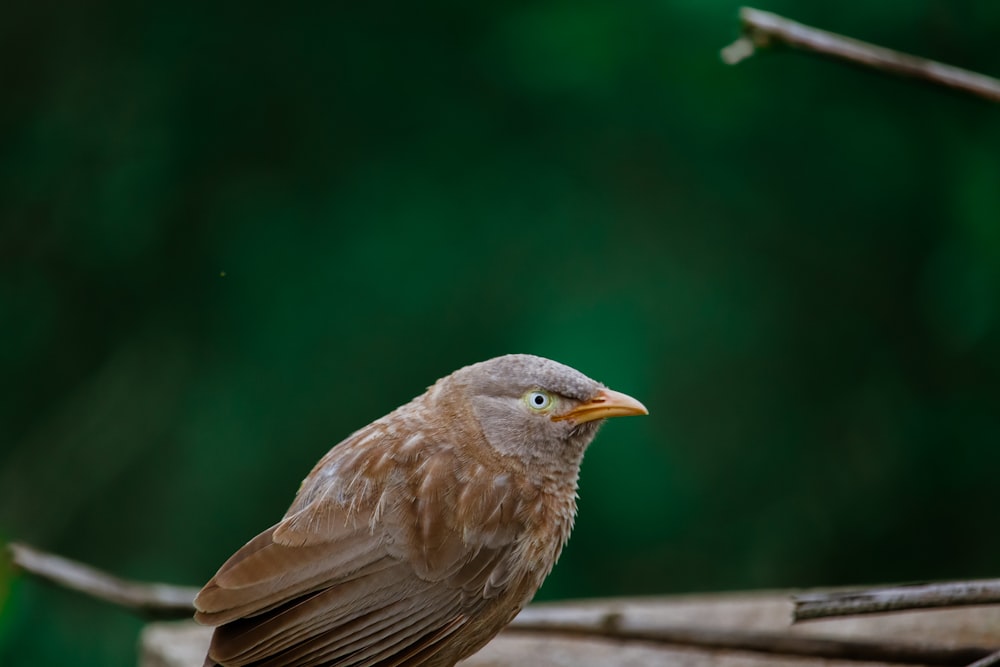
538,400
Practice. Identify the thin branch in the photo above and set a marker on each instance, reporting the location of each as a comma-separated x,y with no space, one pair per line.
989,661
764,29
146,599
877,600
776,643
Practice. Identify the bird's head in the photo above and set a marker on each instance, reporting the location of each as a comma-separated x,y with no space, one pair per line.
536,409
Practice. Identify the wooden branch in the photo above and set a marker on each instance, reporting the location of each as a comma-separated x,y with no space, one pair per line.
810,606
776,643
150,600
764,29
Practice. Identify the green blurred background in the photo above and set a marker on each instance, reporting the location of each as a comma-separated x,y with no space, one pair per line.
231,234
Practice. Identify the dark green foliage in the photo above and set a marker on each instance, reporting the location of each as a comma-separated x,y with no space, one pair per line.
230,235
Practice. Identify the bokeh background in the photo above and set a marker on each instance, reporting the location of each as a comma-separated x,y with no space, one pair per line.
231,234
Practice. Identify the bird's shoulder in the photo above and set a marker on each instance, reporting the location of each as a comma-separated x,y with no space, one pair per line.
429,494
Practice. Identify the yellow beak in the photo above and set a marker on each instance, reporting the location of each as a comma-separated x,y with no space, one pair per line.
607,403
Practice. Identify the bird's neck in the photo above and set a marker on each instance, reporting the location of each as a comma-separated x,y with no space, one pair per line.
557,496
556,481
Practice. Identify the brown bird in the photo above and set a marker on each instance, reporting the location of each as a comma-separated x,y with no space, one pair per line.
419,537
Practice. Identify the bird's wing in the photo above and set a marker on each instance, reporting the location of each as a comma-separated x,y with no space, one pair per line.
371,565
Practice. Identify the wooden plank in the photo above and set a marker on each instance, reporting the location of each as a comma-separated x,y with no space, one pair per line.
767,614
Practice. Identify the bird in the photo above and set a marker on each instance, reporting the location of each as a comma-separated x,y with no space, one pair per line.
415,540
